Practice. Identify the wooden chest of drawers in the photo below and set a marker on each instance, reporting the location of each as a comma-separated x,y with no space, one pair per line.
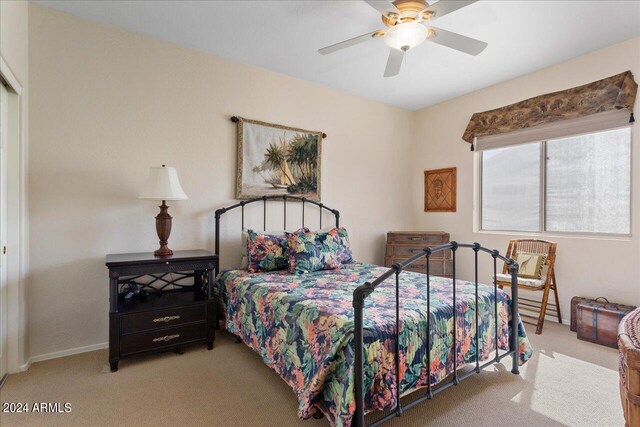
175,306
402,245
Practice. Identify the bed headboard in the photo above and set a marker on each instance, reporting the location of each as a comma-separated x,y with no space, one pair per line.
280,198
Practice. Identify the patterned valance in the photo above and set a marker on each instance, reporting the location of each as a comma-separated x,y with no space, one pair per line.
612,93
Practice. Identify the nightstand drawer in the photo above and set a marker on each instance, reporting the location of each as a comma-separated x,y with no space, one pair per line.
149,320
135,343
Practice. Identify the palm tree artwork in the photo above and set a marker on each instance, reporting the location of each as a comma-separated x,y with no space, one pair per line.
296,160
276,158
303,154
279,160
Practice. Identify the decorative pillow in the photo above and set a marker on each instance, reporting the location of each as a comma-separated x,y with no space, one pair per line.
266,252
312,251
244,252
530,265
344,248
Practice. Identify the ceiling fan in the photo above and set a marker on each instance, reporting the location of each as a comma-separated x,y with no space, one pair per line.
408,25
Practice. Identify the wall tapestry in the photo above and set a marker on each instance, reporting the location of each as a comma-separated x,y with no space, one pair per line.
440,190
276,160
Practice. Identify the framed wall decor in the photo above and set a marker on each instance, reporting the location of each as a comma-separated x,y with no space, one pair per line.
440,190
275,160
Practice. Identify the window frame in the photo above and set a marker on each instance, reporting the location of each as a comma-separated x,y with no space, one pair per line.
542,220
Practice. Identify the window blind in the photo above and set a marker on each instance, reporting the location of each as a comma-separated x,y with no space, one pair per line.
594,123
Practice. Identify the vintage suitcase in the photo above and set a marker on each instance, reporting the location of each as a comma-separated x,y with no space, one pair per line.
574,304
598,321
629,366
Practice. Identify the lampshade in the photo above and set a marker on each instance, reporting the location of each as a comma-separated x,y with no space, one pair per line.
405,36
163,184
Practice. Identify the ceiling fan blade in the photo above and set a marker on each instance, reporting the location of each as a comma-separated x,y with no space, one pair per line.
456,41
394,63
347,43
442,8
382,6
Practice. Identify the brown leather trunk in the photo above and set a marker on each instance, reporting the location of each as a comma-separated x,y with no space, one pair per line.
598,322
629,348
574,304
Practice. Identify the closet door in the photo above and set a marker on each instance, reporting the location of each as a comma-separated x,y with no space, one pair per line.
4,107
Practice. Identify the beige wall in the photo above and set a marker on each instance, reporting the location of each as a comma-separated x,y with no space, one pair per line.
14,37
14,33
106,104
585,266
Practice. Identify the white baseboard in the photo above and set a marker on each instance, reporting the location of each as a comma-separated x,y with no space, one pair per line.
24,367
68,352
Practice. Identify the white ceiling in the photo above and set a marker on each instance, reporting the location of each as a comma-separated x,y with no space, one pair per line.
284,36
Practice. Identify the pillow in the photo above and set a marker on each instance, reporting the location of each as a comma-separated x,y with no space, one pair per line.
313,251
530,265
344,248
244,263
266,252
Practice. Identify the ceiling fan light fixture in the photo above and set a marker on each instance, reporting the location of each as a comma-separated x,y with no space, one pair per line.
405,36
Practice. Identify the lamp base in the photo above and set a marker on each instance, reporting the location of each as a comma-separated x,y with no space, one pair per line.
163,228
163,252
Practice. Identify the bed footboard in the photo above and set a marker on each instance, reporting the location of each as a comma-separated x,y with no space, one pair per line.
362,292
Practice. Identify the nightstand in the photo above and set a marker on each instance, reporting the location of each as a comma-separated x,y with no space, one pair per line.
159,304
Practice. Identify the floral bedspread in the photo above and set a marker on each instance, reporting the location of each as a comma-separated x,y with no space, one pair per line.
302,326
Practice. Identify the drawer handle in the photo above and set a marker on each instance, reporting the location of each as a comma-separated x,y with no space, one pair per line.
416,238
415,251
166,338
166,319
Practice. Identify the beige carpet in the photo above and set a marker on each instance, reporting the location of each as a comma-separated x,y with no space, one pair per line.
567,382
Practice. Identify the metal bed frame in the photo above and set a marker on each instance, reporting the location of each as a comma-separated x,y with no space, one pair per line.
361,293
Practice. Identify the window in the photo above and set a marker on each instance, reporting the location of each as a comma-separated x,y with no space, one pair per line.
578,184
511,188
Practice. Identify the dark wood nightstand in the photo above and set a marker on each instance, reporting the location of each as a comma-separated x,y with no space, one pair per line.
158,304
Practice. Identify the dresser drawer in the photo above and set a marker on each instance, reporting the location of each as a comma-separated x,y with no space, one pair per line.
151,340
417,238
437,267
149,320
407,251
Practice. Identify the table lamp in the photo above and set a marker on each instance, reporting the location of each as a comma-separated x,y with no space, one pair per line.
163,184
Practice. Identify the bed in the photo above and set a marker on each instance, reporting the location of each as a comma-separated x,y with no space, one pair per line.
333,335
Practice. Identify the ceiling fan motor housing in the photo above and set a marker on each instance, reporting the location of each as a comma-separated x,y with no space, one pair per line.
409,10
